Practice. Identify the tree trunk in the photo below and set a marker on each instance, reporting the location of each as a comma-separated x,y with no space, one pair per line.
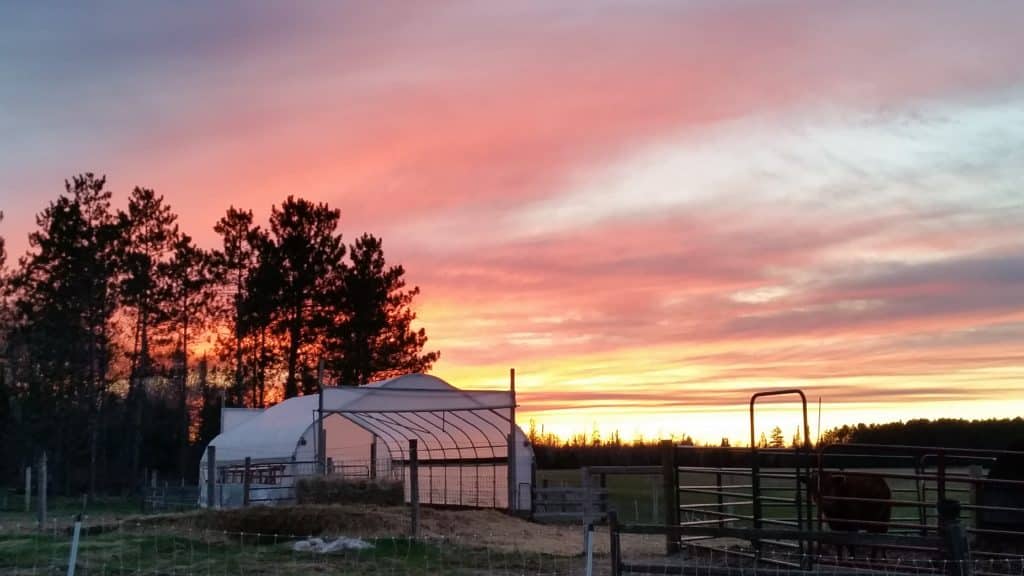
291,384
137,405
238,335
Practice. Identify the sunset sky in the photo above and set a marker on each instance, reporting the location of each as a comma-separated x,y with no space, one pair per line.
650,209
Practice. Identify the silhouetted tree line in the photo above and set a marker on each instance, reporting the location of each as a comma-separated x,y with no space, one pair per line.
993,434
122,339
583,450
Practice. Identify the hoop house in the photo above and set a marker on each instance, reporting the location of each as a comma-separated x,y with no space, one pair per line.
462,441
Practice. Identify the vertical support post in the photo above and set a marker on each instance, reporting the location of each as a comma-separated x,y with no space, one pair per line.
587,495
28,488
211,475
954,539
322,463
246,479
73,557
414,489
940,484
670,483
41,489
755,490
588,549
373,458
512,488
613,543
321,452
330,465
721,498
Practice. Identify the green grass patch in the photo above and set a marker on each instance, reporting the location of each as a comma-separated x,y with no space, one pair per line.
169,551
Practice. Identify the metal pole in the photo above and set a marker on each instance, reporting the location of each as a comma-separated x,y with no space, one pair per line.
211,475
321,452
414,489
245,481
373,457
588,548
73,558
512,489
671,489
28,488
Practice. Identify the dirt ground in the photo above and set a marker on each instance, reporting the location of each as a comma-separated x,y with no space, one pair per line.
476,528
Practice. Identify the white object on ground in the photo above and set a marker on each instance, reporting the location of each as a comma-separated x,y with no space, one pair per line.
319,546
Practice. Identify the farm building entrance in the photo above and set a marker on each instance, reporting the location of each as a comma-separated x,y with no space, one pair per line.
469,450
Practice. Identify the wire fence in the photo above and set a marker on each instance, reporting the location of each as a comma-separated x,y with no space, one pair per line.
145,549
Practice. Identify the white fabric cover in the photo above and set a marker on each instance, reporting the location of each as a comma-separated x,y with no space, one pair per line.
448,423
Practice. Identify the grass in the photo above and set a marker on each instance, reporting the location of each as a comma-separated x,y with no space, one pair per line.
64,509
170,551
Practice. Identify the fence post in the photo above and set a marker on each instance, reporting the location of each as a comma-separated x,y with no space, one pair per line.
613,543
670,478
373,458
246,481
954,539
211,475
414,489
28,488
585,494
73,557
41,498
588,549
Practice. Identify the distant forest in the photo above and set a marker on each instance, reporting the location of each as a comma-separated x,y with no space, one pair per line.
583,450
120,338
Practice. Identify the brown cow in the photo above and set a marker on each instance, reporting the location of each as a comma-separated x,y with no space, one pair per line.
871,512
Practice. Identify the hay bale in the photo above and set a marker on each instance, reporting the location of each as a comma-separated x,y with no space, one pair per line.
337,490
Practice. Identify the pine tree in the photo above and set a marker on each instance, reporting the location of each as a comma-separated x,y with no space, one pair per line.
308,251
777,439
373,338
234,264
150,233
189,293
63,345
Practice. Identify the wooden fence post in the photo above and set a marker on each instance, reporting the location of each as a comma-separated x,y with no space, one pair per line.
613,543
246,481
670,479
414,489
211,475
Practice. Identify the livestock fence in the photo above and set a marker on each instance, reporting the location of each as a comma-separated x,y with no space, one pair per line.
138,549
923,509
943,509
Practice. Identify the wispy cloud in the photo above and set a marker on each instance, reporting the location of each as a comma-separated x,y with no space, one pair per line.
631,201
